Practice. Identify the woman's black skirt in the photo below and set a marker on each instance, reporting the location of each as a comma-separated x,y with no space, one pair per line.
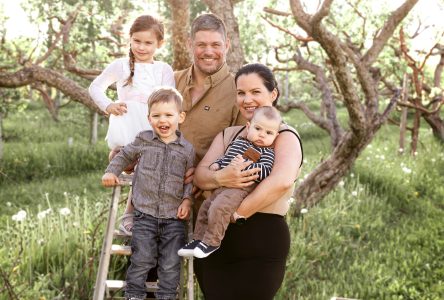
250,263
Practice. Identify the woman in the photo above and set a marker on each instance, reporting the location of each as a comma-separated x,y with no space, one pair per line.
250,263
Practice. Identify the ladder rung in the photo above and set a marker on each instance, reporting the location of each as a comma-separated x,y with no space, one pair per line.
121,250
125,179
120,235
114,285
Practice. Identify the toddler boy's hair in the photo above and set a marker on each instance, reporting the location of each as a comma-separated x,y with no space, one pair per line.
165,95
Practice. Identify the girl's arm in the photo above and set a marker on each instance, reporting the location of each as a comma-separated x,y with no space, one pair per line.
97,89
231,176
288,156
168,76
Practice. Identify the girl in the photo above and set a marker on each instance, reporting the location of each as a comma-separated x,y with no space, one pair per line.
135,77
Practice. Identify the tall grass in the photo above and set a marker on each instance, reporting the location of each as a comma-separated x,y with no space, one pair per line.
53,254
378,235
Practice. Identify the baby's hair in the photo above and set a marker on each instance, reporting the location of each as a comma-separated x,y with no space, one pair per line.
143,23
268,112
208,22
165,95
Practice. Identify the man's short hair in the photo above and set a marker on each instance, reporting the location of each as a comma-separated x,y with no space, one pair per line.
165,95
208,22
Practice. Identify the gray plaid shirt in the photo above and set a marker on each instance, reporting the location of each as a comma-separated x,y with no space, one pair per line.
158,187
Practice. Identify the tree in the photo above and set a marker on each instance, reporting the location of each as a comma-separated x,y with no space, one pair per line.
180,25
357,81
224,9
75,34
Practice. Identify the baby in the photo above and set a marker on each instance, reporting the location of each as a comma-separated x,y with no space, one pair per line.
216,211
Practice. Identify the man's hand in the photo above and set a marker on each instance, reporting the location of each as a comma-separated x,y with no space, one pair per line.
116,109
109,179
183,212
189,175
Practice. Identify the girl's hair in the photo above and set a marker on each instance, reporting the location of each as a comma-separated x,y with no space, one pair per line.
165,95
143,23
208,22
263,72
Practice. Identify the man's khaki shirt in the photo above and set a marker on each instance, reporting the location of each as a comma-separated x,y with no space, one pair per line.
210,114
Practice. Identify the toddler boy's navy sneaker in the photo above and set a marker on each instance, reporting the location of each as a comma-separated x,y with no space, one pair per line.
188,249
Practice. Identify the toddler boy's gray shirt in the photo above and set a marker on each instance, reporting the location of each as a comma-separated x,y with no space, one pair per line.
158,182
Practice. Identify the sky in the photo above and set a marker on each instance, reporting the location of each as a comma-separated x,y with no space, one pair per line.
431,12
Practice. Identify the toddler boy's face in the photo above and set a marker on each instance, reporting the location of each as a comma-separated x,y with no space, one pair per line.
165,118
262,131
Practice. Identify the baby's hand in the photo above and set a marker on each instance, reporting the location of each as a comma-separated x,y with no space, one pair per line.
183,212
109,179
237,160
116,109
214,167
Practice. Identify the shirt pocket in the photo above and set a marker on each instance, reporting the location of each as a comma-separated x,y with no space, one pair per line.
177,165
149,161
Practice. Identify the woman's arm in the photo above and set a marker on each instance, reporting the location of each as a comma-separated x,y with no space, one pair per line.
288,157
230,176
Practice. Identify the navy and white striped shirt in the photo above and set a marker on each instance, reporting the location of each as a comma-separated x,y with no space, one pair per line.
238,146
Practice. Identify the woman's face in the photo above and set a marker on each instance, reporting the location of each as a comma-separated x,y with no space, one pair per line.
252,93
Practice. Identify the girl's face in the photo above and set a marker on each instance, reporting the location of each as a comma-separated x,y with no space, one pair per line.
143,45
252,93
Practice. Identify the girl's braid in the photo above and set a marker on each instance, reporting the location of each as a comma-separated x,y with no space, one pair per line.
132,59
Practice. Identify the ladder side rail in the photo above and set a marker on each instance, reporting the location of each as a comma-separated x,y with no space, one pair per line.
102,272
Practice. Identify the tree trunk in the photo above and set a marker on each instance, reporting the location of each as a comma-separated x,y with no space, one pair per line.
224,9
94,123
180,26
364,119
34,73
1,135
437,124
415,132
403,121
327,174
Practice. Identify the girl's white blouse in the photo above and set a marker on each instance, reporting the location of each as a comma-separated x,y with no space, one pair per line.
147,76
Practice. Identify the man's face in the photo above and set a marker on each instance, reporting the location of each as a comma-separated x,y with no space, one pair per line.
209,51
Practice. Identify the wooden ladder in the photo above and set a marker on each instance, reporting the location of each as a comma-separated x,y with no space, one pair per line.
103,287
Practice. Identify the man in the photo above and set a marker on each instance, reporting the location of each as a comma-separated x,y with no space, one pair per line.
207,86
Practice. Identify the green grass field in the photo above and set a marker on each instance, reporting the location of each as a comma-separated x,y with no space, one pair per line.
379,235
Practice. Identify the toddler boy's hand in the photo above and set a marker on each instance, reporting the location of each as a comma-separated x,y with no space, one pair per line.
183,212
109,179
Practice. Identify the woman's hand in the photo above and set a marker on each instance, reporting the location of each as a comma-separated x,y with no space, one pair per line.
232,175
116,109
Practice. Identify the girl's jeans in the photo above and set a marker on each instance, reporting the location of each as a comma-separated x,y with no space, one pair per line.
155,240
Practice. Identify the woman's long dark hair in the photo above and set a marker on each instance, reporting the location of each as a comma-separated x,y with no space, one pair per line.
263,72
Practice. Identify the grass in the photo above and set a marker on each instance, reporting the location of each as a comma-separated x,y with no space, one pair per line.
378,235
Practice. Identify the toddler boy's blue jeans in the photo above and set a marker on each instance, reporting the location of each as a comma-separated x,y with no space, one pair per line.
155,240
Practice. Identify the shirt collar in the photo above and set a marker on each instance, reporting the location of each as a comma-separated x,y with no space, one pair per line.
180,139
211,79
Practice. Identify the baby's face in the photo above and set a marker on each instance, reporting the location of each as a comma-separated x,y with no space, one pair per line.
262,131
